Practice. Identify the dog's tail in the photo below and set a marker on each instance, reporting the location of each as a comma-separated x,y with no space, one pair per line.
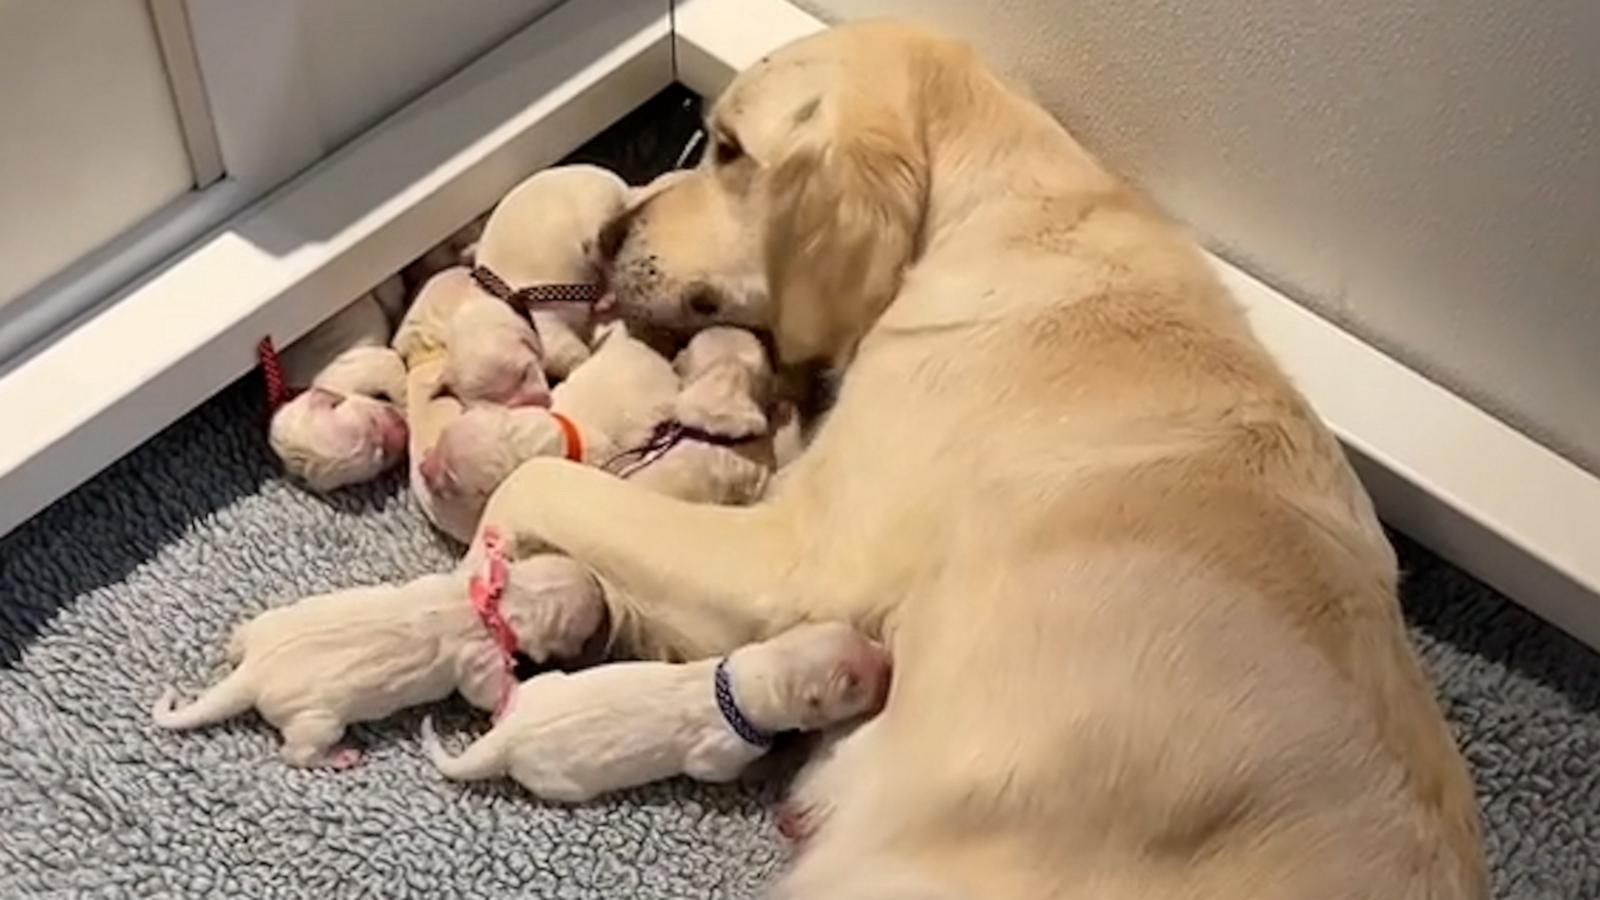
230,697
484,759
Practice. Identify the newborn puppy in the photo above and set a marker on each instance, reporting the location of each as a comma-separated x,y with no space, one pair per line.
570,738
489,352
544,232
724,449
498,360
610,403
317,665
493,356
421,341
345,426
476,451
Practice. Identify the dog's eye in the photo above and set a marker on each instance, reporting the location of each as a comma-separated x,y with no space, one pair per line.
727,150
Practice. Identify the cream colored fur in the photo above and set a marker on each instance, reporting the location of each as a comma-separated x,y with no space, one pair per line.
1144,622
346,425
614,399
490,353
363,323
571,738
315,666
543,232
438,342
726,392
429,410
492,356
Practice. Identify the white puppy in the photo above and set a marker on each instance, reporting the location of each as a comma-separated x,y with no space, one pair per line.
708,443
544,233
718,447
611,403
459,345
345,426
489,351
570,738
315,666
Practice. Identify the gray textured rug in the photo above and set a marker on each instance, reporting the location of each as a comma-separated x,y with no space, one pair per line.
134,581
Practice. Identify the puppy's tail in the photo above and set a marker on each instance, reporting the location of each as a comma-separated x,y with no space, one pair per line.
228,698
483,759
236,644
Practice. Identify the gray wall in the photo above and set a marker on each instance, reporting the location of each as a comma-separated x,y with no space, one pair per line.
1425,172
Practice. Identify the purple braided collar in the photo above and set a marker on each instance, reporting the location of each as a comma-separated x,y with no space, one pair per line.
667,435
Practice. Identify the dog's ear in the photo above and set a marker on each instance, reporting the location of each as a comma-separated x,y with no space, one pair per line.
846,221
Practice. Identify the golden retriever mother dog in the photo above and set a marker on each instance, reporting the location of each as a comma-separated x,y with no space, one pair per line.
1144,621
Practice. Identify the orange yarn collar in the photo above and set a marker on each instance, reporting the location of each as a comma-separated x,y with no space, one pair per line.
574,437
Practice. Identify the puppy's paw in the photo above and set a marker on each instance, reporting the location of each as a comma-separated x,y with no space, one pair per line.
796,823
344,758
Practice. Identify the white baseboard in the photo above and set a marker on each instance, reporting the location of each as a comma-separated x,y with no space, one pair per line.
281,266
1476,491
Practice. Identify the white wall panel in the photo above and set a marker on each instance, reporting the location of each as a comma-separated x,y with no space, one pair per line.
1424,172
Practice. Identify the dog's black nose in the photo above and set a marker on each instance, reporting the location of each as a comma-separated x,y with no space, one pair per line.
702,301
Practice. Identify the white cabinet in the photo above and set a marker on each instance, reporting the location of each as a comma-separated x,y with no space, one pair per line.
89,136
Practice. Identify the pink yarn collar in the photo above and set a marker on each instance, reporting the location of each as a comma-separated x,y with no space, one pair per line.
486,588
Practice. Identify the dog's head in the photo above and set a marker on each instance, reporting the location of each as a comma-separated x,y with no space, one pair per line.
328,439
808,205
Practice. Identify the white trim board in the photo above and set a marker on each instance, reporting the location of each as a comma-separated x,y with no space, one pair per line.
1476,491
168,343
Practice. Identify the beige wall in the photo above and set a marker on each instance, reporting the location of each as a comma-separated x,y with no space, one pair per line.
1425,172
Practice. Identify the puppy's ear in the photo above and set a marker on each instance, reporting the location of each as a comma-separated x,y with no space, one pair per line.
846,221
